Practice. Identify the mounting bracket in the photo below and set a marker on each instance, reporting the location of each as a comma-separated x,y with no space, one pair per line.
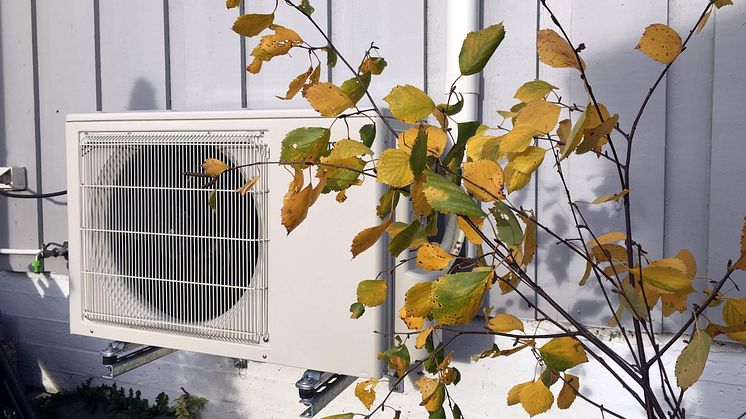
316,389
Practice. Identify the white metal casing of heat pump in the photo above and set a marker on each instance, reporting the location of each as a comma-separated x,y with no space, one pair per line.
311,277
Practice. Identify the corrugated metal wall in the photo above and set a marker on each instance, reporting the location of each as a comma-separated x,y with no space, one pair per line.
108,55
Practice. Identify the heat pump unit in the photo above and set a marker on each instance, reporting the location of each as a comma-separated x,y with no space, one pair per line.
151,263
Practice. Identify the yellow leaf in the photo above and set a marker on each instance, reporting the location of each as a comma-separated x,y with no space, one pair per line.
232,3
409,104
420,207
393,168
327,99
251,24
255,66
504,322
666,279
214,167
570,386
529,239
689,261
741,262
607,198
518,139
535,398
528,160
586,274
508,282
365,392
431,257
515,180
539,115
734,314
341,196
607,238
276,44
594,138
673,303
534,90
469,232
312,79
433,393
554,51
368,237
296,84
371,293
422,337
249,185
702,22
417,302
609,253
691,362
563,353
660,43
373,65
436,140
484,180
563,130
515,392
483,147
721,3
295,205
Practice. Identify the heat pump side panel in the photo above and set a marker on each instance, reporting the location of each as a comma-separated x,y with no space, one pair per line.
312,278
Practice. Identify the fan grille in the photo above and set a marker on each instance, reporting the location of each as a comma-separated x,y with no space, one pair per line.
155,256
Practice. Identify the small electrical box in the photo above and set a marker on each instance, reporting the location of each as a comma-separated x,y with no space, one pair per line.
12,178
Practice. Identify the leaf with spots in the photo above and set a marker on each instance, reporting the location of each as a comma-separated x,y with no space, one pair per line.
484,180
304,145
296,85
563,353
365,392
373,65
252,24
433,393
397,357
457,297
555,51
431,257
660,43
436,139
328,99
446,197
393,168
691,361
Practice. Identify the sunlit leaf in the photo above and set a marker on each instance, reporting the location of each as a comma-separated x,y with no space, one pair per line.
417,301
422,337
563,353
539,115
349,148
534,90
409,104
451,109
741,262
279,43
665,278
433,393
469,232
478,47
515,392
484,180
420,207
371,293
570,386
436,140
252,24
607,238
594,138
373,65
295,205
340,178
504,322
214,167
660,43
608,198
232,3
691,362
554,50
296,84
397,358
365,392
518,139
304,145
448,198
393,168
368,237
483,147
525,163
386,203
734,314
431,257
327,99
353,88
457,297
535,398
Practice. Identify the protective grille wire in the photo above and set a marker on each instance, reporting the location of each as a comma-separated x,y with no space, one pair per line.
154,255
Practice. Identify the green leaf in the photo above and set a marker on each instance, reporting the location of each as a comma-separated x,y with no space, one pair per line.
305,7
447,197
409,104
304,144
419,153
478,47
353,89
438,414
331,57
563,353
466,130
252,24
404,238
338,178
368,134
456,411
691,362
356,310
387,202
534,90
453,108
666,278
508,228
397,357
457,297
340,416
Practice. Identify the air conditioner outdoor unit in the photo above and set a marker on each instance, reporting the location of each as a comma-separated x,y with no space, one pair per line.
151,263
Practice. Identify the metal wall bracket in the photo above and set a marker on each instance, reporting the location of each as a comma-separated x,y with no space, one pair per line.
316,389
394,384
121,357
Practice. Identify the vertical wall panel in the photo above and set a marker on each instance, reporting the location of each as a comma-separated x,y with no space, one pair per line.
276,74
18,217
66,85
513,64
132,55
727,197
620,76
205,56
688,141
396,27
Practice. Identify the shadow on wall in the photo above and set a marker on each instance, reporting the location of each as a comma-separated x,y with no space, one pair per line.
142,97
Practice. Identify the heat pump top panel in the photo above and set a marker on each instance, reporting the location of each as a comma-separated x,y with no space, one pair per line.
170,260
